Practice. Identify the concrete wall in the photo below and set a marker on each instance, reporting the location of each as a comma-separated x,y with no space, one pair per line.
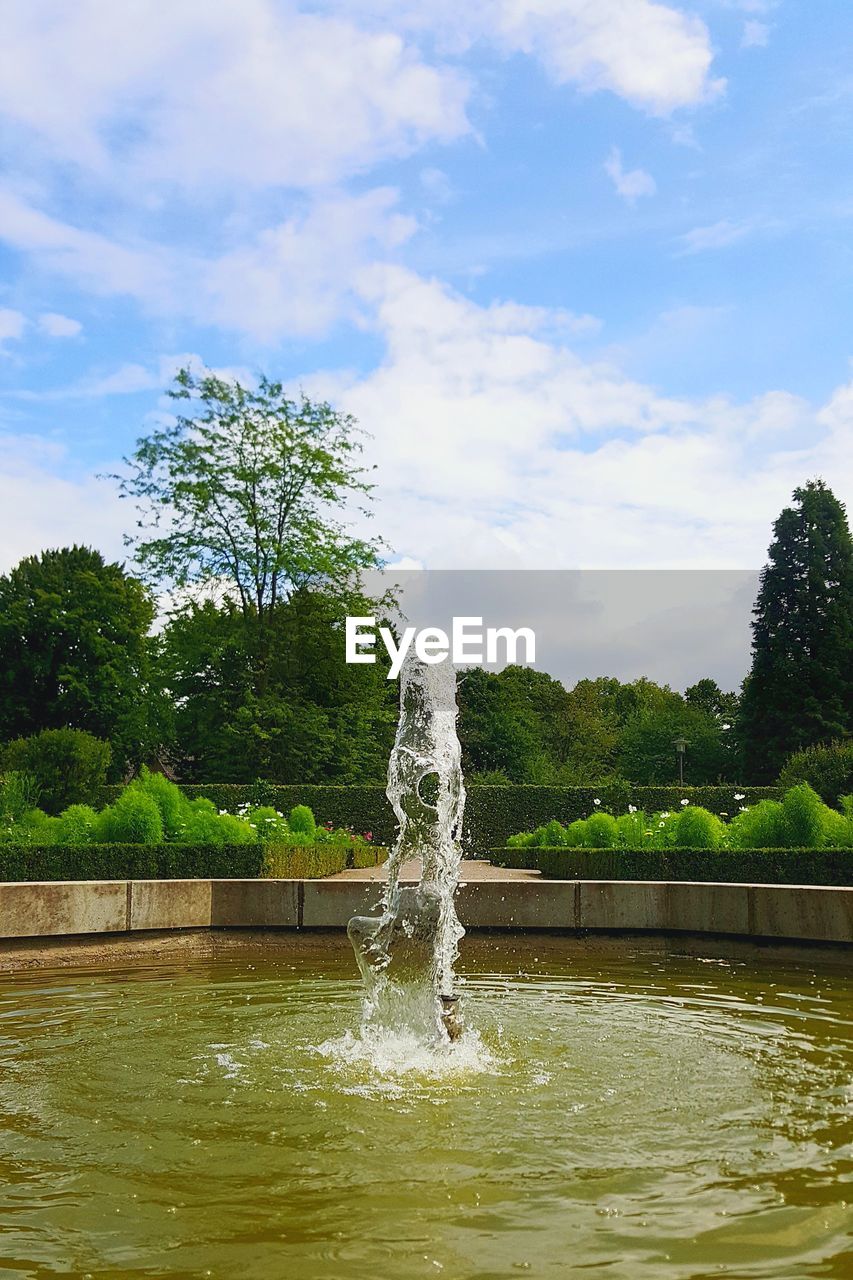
58,909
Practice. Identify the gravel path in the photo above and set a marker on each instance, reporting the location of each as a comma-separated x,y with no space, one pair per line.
471,870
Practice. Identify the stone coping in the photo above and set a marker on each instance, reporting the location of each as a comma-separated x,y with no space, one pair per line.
55,909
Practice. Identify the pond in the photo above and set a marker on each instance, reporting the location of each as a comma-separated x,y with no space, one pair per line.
620,1111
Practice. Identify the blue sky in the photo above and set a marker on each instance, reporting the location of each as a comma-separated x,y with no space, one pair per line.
583,271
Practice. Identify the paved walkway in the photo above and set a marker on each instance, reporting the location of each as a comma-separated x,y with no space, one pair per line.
471,869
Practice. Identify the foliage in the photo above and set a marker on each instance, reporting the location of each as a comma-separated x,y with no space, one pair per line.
252,482
18,793
492,813
78,824
68,765
827,767
133,819
800,689
831,866
298,714
74,651
92,861
799,820
302,820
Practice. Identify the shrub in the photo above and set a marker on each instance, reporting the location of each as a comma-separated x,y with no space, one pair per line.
827,768
129,862
601,832
18,793
267,822
803,812
302,820
67,764
735,866
761,826
554,834
295,859
168,799
696,828
77,825
492,813
631,830
133,819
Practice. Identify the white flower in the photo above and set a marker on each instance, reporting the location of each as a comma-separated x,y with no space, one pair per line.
727,726
632,808
596,802
739,795
685,802
743,808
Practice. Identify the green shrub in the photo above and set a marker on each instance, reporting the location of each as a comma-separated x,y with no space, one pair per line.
601,832
631,830
761,826
133,819
130,862
696,828
168,798
734,866
554,834
492,813
18,793
291,860
69,765
804,812
267,822
302,821
77,824
827,768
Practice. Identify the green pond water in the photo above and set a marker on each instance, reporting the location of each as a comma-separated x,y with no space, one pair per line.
620,1113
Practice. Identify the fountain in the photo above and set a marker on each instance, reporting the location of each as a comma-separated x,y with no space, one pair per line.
407,954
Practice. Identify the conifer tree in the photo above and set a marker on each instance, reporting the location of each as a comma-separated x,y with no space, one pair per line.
800,689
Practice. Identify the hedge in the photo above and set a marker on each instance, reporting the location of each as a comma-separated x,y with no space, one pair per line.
180,861
735,866
491,813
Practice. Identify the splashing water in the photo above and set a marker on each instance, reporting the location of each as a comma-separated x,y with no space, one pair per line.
407,954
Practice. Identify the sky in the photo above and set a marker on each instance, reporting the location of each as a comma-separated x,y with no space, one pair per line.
583,271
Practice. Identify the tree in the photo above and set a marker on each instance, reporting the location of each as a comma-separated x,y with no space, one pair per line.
799,691
244,491
647,745
67,765
74,651
315,718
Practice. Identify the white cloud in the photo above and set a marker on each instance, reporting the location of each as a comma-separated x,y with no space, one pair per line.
44,504
719,235
651,54
295,277
499,447
755,35
56,325
632,184
12,325
241,91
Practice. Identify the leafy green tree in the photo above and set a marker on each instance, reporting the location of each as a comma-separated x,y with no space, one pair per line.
647,744
245,492
314,718
74,651
67,765
800,689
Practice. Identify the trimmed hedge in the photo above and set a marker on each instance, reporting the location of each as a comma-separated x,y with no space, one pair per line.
492,814
180,861
131,861
735,866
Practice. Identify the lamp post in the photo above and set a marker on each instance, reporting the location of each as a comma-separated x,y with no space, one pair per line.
680,748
